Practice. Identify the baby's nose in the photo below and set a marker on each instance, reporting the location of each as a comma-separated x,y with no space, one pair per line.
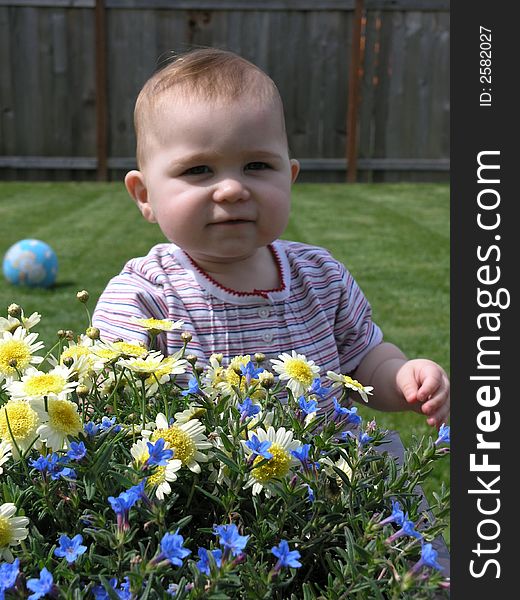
230,190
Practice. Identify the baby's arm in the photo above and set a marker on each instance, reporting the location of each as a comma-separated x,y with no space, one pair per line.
401,384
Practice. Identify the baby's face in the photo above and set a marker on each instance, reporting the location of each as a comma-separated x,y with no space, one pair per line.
218,177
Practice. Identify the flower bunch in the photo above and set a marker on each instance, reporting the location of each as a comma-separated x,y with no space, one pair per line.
125,473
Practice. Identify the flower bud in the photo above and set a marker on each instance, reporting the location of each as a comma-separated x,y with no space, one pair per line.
14,310
68,361
93,333
61,333
198,370
259,357
192,359
83,296
82,391
69,334
266,379
13,363
186,337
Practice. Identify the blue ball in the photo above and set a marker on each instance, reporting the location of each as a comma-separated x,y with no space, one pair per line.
31,263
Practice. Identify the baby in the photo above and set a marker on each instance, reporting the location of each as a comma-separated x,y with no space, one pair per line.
215,174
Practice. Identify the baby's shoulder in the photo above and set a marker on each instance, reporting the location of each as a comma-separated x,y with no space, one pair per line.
158,264
300,254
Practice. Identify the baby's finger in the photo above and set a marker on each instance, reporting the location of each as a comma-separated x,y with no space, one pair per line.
440,417
429,386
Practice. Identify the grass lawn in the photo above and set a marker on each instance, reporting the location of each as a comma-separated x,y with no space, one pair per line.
394,238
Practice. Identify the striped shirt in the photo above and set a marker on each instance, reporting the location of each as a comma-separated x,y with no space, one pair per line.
318,310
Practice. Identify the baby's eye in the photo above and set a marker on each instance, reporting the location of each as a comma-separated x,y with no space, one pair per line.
257,166
198,170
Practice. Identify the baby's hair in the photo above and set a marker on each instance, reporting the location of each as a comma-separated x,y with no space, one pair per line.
206,74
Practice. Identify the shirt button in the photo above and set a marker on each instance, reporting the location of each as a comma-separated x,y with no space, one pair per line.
263,312
267,337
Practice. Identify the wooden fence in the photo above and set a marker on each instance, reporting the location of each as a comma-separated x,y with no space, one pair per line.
70,71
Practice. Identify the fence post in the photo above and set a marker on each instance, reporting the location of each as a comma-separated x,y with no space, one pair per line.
101,91
353,95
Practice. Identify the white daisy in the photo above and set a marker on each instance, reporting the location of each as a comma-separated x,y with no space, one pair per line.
17,352
194,411
155,326
279,465
62,419
12,323
83,358
156,368
185,439
296,370
351,384
37,384
340,464
5,454
12,530
162,475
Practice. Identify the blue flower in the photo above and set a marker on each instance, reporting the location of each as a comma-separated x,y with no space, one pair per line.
339,411
302,453
63,472
122,504
310,492
70,549
407,528
107,423
158,454
77,451
250,371
317,389
444,435
203,565
364,438
429,557
259,448
172,549
8,575
138,490
193,387
307,407
91,429
41,463
41,586
230,539
123,593
248,409
286,557
397,515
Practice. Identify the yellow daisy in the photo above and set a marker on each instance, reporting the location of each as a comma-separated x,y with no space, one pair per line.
351,384
185,439
156,367
296,370
19,421
62,420
279,465
12,530
155,326
37,384
17,352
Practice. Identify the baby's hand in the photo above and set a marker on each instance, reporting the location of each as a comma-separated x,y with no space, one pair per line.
422,380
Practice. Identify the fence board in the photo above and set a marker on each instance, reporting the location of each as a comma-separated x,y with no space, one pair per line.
47,77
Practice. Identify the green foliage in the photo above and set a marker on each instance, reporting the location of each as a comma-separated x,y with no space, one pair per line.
331,505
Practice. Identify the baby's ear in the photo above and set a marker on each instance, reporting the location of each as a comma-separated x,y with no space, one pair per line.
295,169
134,182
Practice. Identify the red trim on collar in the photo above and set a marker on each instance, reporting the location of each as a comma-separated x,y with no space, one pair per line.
262,293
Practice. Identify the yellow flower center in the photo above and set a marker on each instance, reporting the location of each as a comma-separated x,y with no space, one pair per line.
353,382
278,466
74,352
157,478
180,442
44,384
23,420
298,369
14,352
6,532
130,349
64,417
156,324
